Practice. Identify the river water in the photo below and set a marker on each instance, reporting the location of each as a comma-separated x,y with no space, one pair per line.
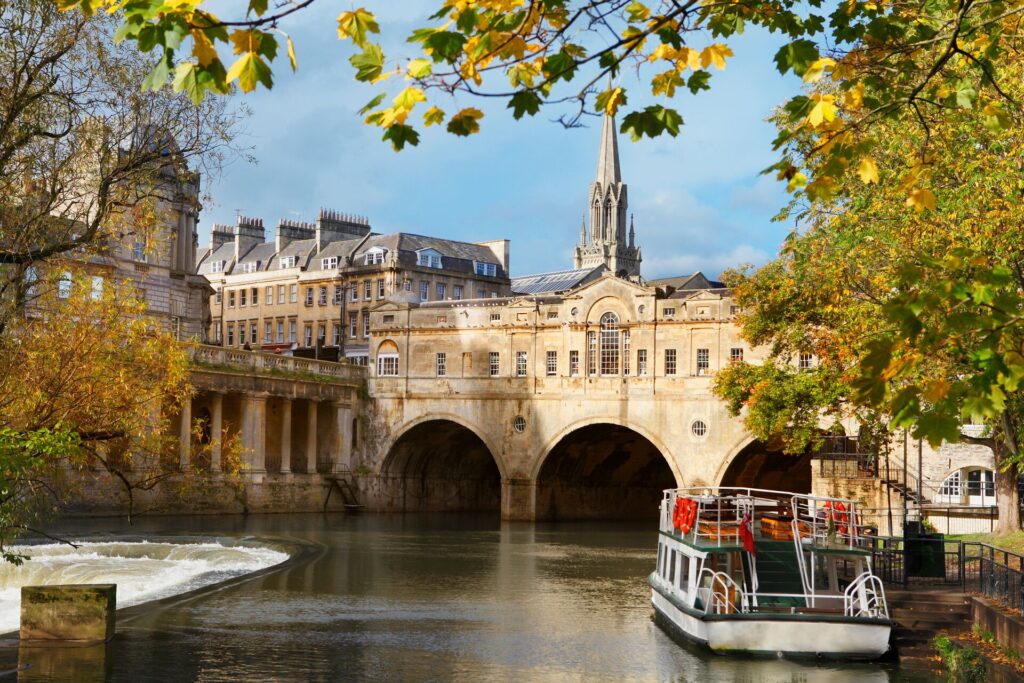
413,598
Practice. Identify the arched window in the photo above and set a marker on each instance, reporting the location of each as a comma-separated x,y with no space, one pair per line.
969,486
387,359
609,344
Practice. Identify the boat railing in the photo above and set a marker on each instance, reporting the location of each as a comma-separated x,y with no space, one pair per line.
720,511
865,597
827,522
721,589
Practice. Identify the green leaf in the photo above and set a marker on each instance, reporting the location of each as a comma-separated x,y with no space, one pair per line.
372,103
796,56
369,63
157,78
445,45
399,135
524,102
699,81
652,122
250,69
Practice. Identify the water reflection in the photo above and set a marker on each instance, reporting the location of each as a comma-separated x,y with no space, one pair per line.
429,598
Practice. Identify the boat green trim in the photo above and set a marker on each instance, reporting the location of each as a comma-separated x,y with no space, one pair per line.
732,547
761,616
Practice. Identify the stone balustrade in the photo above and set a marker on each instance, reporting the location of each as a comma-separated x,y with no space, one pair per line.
268,362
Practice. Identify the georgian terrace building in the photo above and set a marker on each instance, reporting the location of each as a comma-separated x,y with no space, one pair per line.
313,285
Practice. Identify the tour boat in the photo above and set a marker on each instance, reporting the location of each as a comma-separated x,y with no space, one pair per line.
768,572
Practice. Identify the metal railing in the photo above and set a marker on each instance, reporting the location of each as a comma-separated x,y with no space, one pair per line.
842,456
259,361
995,573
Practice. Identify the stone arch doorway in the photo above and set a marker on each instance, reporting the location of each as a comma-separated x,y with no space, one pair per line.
757,466
440,465
602,471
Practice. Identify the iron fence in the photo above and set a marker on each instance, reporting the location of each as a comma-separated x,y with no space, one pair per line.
995,573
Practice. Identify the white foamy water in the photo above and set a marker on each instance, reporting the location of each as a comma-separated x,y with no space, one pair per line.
142,571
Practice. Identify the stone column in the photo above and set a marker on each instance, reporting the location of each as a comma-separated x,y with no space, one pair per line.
286,436
518,499
216,430
341,441
311,440
254,425
185,435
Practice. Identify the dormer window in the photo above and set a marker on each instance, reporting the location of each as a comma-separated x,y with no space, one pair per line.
429,258
251,267
374,256
486,269
287,262
329,263
217,266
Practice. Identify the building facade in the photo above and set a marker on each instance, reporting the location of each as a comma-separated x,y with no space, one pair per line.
312,287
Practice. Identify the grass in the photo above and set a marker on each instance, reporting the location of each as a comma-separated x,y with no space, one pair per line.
1014,542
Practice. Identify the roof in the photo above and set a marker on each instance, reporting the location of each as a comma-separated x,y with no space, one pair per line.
261,253
695,281
225,253
297,248
559,281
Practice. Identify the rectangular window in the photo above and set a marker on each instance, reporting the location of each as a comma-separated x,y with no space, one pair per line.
552,363
520,363
286,262
703,361
252,331
494,363
367,289
322,300
307,335
389,319
735,310
457,292
373,257
329,263
309,296
337,295
366,323
495,317
268,332
353,325
387,365
429,260
216,331
670,361
591,353
255,295
251,266
219,296
241,297
139,250
215,266
407,285
231,299
241,334
336,336
552,315
486,269
735,355
293,294
292,330
670,312
380,288
280,294
321,333
641,361
481,293
268,296
424,290
442,319
64,286
442,365
97,288
806,361
231,334
441,291
280,332
574,363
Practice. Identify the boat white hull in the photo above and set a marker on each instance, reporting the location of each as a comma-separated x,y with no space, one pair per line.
785,634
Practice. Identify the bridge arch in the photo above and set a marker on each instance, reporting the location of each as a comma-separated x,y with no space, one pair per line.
441,463
754,464
602,468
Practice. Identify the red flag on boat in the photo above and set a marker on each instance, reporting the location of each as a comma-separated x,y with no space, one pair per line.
747,534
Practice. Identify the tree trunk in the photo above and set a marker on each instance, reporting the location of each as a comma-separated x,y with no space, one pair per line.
1006,498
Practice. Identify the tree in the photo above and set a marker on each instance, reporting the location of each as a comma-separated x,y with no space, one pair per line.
85,171
884,55
915,316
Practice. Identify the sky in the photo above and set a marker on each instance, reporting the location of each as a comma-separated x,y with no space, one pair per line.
699,200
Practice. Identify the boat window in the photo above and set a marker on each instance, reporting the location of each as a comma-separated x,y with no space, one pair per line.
661,552
671,567
683,569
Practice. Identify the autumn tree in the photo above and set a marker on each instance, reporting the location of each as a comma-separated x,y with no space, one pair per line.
913,306
83,370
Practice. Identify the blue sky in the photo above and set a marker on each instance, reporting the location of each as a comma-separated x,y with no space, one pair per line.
698,200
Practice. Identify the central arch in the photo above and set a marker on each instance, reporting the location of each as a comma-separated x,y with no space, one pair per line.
440,465
757,465
602,471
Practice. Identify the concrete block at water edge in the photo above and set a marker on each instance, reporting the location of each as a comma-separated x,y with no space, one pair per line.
82,613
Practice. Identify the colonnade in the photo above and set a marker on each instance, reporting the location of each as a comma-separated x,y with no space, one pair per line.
274,434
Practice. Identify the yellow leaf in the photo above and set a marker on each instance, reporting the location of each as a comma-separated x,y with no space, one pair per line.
432,116
202,48
868,170
291,54
824,110
393,115
615,98
664,51
854,97
921,198
715,54
817,69
408,98
418,68
356,24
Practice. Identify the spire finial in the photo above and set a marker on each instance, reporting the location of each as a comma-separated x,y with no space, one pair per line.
608,158
583,230
632,233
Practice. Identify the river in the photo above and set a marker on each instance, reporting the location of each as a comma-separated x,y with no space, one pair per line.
413,598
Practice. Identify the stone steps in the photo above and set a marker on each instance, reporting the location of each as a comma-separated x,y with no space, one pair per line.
920,615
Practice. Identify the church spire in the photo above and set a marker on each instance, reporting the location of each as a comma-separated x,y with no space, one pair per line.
583,230
608,158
